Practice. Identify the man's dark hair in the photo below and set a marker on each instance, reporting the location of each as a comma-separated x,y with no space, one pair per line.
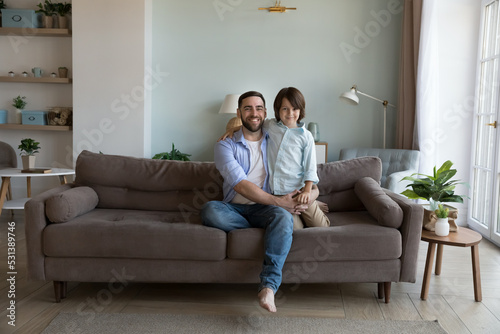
296,99
248,94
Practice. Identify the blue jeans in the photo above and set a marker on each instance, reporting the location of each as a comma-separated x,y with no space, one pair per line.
277,222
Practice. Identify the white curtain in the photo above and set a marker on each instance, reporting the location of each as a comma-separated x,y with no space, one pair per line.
427,105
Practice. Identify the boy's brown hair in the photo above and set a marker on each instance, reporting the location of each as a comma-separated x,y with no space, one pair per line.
296,99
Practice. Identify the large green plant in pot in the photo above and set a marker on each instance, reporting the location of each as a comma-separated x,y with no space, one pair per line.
436,188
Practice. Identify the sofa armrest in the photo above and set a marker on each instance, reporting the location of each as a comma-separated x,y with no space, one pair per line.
411,231
35,222
394,183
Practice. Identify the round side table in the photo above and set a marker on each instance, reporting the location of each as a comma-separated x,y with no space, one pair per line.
464,237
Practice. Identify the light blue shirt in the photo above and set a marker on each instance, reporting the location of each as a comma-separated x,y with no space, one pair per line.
232,159
291,157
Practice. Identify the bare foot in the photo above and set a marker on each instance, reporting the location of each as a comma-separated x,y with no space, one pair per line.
266,299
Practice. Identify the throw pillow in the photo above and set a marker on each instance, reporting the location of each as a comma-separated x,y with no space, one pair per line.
71,203
378,203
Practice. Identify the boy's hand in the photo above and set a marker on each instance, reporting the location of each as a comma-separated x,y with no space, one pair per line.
303,197
229,133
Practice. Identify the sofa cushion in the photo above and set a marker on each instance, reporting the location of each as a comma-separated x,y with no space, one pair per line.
71,203
337,180
355,242
162,185
378,203
134,234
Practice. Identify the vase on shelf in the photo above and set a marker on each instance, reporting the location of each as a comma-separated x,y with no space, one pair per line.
63,22
19,116
63,72
48,21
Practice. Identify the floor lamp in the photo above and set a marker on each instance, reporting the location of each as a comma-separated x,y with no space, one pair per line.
351,98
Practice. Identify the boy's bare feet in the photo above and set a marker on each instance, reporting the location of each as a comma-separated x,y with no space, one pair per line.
266,299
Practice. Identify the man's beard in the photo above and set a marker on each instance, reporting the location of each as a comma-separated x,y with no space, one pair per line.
251,126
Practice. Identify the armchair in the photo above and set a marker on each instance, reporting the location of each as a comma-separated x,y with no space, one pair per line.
396,164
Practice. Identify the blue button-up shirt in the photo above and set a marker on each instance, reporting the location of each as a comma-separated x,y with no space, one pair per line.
232,159
292,157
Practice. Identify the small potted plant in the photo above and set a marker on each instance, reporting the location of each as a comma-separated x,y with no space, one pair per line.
28,149
63,72
19,103
48,9
175,154
63,9
442,228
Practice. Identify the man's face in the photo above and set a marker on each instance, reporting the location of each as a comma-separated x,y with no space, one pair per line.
252,113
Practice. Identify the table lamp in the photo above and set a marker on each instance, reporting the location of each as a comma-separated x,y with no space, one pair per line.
229,106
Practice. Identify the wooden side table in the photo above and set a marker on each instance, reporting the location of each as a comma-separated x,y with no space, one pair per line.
464,237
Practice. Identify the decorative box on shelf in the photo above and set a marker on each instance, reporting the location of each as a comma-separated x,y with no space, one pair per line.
21,18
34,117
3,116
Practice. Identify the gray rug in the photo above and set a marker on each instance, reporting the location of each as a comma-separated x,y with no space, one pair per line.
123,323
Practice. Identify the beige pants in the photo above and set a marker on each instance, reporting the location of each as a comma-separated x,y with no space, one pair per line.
312,217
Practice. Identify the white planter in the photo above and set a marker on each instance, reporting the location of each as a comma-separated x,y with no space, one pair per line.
442,227
19,116
28,161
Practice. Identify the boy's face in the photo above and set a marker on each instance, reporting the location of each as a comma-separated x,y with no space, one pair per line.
288,114
252,113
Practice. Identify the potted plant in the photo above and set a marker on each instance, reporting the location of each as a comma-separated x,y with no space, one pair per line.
436,188
63,72
19,104
175,154
28,149
442,228
63,9
48,9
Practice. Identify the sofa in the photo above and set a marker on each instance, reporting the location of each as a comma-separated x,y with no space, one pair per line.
138,219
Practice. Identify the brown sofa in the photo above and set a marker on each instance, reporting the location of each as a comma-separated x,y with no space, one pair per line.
139,219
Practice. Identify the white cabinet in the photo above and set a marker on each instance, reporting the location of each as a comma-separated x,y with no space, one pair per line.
321,152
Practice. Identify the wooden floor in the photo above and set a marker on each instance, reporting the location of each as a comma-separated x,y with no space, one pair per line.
451,295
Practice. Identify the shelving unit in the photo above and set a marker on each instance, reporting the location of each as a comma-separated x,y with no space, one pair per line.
36,32
35,127
37,80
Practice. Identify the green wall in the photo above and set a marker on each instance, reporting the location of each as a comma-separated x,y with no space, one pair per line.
214,48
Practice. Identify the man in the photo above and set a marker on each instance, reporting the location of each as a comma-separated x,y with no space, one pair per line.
242,162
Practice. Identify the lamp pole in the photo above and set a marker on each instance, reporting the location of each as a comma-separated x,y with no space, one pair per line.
385,103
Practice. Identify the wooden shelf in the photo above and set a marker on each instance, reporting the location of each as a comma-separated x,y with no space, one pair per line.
35,127
36,32
37,80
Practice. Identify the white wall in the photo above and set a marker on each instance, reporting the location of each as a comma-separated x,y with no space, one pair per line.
213,48
109,77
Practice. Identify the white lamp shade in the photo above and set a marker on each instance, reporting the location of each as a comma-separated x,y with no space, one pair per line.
230,104
350,97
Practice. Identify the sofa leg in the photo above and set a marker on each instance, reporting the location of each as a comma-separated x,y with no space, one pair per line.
387,291
380,290
60,290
